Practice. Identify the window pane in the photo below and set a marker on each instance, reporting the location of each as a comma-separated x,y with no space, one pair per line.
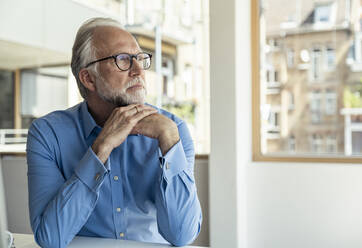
312,77
6,100
42,91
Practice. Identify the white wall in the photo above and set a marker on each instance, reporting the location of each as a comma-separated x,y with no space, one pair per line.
49,24
287,205
304,205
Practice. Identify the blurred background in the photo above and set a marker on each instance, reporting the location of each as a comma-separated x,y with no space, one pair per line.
36,38
308,103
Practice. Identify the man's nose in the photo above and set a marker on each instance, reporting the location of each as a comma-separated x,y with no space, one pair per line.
135,69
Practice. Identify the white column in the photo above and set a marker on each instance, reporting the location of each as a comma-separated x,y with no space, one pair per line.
347,135
230,116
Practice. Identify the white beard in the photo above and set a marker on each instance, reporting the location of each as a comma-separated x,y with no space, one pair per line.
120,97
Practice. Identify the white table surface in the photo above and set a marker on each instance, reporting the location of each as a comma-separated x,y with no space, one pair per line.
27,241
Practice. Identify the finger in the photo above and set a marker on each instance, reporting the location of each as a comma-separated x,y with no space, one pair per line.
142,114
137,109
127,108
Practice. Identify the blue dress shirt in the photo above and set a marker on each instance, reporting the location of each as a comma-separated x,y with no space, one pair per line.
138,194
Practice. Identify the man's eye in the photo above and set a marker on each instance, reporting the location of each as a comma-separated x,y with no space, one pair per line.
142,57
123,57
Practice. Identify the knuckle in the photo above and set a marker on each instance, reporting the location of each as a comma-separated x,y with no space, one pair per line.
128,120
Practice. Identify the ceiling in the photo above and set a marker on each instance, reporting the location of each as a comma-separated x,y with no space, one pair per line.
18,56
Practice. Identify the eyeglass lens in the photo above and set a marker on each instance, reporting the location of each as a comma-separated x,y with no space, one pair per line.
124,61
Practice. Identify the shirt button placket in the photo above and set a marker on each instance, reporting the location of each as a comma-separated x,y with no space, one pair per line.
118,210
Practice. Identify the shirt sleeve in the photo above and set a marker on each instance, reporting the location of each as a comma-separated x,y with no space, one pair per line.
59,208
179,215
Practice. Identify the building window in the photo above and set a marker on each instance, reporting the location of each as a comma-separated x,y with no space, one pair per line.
323,13
316,106
316,143
274,44
168,88
273,120
316,64
291,144
331,143
290,58
331,102
272,75
291,101
331,57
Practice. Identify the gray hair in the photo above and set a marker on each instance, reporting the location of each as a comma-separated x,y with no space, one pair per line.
83,50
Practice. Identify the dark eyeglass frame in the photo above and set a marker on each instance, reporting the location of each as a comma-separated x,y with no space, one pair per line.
131,56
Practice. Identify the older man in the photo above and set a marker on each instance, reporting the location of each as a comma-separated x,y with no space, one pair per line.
111,166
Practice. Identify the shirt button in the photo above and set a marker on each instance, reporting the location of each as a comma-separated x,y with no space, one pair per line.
121,235
118,209
115,178
167,166
97,176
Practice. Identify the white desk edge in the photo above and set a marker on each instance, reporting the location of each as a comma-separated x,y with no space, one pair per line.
27,241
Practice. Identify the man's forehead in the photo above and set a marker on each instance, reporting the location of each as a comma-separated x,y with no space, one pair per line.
114,40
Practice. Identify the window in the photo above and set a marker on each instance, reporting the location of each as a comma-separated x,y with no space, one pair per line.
316,64
331,102
273,127
290,58
291,144
272,76
291,101
168,88
42,91
323,13
323,89
331,143
331,57
356,48
316,106
274,44
316,143
6,100
273,120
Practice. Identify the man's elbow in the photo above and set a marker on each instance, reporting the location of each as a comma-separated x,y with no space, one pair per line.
186,237
47,240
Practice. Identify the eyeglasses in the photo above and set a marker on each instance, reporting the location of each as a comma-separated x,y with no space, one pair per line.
124,61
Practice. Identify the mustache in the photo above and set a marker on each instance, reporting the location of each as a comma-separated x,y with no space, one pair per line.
135,81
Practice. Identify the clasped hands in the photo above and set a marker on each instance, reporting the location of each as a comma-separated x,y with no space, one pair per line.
135,119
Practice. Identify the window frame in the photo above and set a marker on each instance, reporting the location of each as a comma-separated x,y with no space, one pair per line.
257,154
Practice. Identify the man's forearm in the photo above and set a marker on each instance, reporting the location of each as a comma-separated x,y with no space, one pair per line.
168,140
102,150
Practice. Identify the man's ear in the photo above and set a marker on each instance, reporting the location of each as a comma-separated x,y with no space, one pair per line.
87,79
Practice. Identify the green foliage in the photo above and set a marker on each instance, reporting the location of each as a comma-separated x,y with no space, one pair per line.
184,110
352,97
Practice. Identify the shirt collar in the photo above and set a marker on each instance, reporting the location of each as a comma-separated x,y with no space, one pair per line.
88,122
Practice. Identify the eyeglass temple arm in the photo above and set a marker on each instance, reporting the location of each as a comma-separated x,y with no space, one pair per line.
99,60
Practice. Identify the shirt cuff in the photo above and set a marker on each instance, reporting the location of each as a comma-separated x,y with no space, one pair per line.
173,162
91,170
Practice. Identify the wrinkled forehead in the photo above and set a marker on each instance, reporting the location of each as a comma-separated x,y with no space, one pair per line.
112,40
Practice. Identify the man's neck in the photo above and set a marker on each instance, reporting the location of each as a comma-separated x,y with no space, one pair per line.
99,109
